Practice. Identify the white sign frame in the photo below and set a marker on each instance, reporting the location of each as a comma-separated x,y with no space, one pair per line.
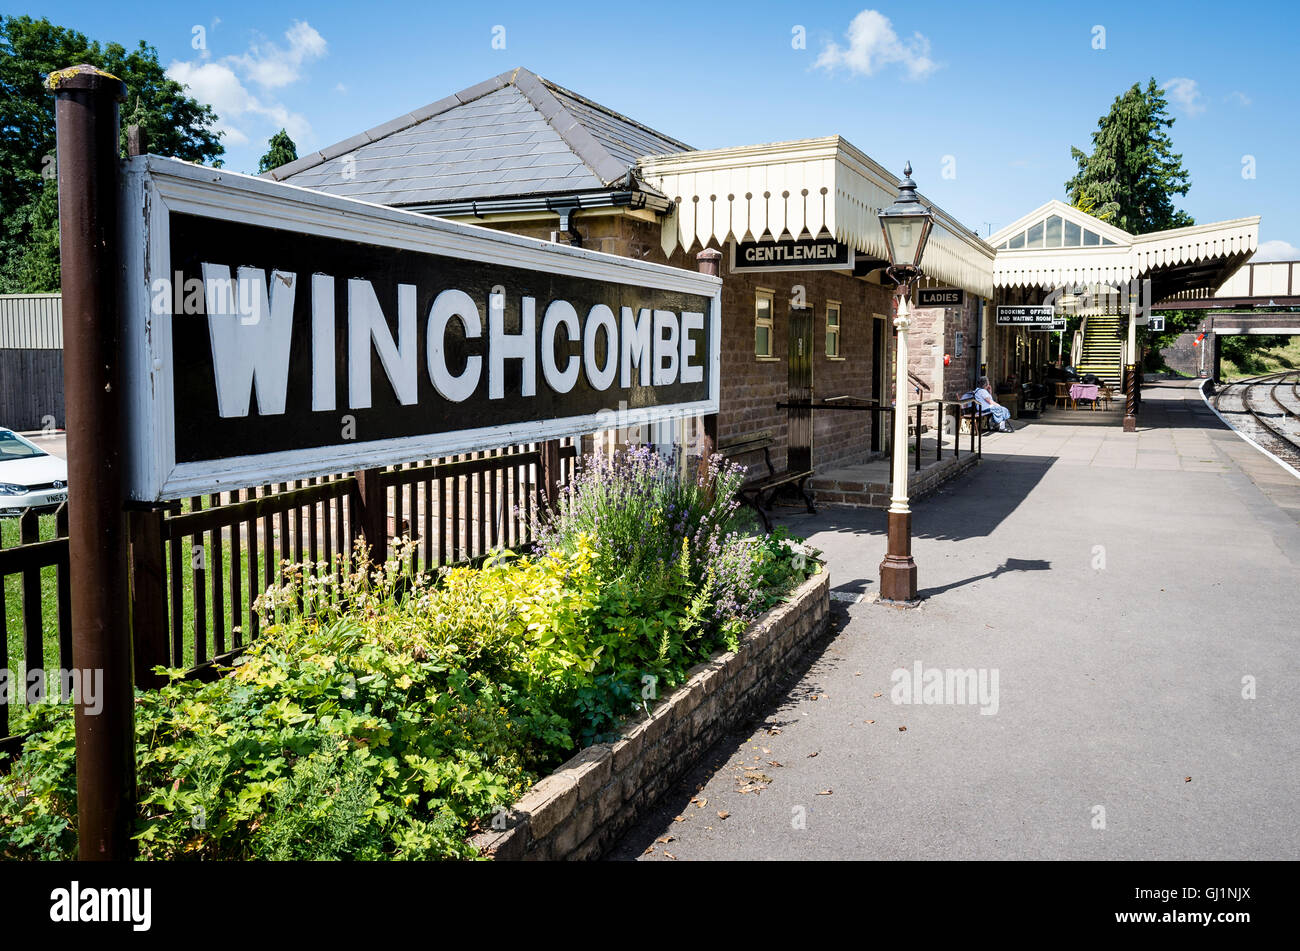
151,188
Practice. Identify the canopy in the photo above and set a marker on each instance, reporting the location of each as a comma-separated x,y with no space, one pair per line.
803,189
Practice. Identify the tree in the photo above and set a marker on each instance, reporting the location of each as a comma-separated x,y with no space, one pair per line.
1133,174
282,151
176,124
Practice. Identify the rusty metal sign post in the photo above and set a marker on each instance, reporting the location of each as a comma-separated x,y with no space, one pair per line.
86,117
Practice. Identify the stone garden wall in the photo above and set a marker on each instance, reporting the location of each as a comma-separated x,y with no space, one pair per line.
580,810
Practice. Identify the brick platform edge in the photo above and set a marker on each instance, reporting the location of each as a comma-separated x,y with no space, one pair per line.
876,494
581,809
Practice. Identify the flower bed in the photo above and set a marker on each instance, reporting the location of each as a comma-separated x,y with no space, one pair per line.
387,715
579,811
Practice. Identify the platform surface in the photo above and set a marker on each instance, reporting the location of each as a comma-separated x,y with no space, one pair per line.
1132,592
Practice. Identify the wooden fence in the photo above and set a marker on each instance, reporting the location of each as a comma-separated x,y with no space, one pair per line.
198,567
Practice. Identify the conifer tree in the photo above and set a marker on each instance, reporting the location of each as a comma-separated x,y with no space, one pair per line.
1133,173
282,151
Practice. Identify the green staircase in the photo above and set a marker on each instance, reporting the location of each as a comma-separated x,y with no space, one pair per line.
1103,348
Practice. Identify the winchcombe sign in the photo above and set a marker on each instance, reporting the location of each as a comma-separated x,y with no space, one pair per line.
274,332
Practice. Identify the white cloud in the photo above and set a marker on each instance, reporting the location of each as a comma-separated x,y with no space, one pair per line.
223,84
272,66
1185,94
873,45
1276,251
1240,98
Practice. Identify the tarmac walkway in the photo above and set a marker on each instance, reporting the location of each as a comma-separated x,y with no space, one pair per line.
1135,596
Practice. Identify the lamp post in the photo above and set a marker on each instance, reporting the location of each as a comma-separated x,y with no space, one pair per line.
906,225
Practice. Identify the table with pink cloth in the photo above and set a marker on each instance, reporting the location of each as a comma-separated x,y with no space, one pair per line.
1083,391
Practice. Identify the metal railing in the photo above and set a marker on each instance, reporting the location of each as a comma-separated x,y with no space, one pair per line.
976,429
966,409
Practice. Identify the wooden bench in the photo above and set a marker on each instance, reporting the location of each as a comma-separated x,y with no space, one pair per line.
985,414
752,493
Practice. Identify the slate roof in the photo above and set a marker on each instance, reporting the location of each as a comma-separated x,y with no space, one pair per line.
511,136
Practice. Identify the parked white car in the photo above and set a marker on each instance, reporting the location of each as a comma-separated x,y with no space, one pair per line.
30,478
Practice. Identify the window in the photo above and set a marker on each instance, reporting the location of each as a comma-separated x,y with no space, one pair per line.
1071,234
1090,239
763,322
1017,242
832,328
1034,237
1054,231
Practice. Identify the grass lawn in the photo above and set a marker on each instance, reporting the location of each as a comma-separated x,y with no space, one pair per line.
1272,360
9,533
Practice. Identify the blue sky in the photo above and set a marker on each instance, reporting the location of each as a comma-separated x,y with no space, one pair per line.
995,93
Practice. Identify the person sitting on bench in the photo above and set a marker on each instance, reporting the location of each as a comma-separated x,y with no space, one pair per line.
1001,415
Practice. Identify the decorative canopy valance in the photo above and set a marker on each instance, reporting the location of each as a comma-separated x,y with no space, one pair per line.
1056,245
802,189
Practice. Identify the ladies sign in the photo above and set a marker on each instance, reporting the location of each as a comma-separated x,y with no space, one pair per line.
274,333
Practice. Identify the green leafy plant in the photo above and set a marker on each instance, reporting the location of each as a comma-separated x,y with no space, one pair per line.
383,714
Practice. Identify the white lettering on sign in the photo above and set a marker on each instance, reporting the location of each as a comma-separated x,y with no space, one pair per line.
366,325
559,314
600,377
635,351
502,346
322,342
691,372
666,336
252,351
251,328
798,252
449,304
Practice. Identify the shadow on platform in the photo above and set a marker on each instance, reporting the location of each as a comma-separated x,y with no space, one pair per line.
974,504
1011,564
971,505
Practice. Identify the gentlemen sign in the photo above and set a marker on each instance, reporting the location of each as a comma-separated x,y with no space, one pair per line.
790,254
277,333
940,297
1020,316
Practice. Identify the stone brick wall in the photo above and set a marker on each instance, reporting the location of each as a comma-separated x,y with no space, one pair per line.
1185,358
751,387
581,809
934,334
876,494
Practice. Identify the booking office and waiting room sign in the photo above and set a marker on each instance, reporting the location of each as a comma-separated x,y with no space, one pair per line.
274,333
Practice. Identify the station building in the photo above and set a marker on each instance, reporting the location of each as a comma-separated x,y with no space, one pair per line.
807,342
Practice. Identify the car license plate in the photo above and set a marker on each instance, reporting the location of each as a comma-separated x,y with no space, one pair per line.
61,497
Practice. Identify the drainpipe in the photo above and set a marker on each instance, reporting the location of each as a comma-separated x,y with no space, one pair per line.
568,231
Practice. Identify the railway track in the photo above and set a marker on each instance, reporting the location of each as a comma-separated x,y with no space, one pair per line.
1275,424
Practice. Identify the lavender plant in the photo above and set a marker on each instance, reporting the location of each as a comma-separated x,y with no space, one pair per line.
647,521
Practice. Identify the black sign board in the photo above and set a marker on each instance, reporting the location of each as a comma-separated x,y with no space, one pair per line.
275,333
1025,315
790,254
1156,324
940,297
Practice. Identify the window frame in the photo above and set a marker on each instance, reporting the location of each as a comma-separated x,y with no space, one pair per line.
838,307
768,294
